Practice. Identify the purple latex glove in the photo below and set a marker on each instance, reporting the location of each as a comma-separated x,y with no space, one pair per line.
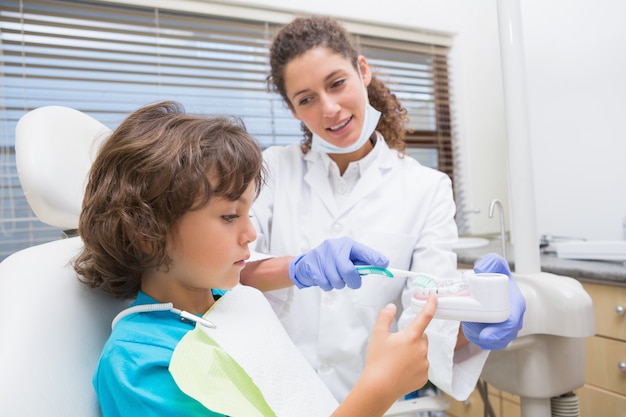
495,336
331,264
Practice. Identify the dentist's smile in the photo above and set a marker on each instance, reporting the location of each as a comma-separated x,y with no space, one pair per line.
341,125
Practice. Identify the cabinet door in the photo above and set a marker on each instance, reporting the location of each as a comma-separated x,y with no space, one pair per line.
609,303
599,403
604,364
473,406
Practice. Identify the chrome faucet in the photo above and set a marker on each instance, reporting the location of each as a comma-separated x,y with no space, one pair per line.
494,203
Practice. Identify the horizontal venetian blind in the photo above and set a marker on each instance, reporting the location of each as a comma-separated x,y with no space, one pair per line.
109,59
418,76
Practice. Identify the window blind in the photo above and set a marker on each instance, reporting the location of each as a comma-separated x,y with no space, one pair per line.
109,59
418,75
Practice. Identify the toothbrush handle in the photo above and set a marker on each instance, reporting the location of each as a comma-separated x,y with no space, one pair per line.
374,270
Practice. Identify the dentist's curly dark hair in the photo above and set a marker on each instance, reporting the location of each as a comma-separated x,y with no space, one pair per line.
306,33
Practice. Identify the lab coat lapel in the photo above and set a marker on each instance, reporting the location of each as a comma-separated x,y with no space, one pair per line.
317,178
371,179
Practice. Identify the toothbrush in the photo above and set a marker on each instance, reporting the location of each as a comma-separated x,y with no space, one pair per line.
419,279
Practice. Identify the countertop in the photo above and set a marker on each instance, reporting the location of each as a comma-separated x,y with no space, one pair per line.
605,272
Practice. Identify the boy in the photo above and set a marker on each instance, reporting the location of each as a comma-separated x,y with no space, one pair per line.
165,220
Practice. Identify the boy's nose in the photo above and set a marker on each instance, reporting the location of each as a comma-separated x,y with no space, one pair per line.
249,234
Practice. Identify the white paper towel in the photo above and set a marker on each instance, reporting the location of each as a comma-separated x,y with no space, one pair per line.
249,331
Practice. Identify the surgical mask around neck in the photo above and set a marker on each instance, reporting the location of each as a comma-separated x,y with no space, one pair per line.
369,125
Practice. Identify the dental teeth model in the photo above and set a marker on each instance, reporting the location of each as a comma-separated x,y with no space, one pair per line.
475,297
441,288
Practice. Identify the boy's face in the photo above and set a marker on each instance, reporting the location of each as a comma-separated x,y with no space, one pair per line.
209,248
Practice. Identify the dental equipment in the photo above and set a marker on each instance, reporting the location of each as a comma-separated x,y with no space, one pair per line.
480,298
547,359
390,272
497,203
475,297
420,279
162,307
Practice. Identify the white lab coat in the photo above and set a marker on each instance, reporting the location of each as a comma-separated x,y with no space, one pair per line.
398,207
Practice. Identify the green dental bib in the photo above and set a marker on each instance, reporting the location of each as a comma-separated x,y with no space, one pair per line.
206,373
248,366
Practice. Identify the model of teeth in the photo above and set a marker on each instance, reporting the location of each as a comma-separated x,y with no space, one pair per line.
443,288
475,297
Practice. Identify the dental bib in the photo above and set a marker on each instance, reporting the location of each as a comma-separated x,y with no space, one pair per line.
248,366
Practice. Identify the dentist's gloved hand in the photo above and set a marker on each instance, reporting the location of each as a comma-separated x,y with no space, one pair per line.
495,336
331,264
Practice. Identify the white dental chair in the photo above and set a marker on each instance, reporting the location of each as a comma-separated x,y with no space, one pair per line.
52,327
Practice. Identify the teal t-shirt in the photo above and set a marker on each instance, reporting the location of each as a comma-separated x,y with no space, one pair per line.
132,377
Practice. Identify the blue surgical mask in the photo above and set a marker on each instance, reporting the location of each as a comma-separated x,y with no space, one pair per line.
369,124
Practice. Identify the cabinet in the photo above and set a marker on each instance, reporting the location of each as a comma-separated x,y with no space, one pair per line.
503,404
604,392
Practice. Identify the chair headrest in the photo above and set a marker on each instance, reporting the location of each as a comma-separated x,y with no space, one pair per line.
54,149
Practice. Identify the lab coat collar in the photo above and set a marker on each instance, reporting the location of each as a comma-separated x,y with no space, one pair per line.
363,163
316,177
372,168
372,173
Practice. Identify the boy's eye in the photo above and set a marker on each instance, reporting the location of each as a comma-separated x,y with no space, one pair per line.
230,217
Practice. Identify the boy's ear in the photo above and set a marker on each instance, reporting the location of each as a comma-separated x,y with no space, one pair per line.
139,241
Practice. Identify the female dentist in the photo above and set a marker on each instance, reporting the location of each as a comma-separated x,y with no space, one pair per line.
349,194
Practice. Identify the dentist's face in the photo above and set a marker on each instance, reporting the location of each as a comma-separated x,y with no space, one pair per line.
326,93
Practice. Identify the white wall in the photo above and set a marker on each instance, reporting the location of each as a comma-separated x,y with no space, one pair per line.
576,69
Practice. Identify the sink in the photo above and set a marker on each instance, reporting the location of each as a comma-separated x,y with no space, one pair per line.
470,242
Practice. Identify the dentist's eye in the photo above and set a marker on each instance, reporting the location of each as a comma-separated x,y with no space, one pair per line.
338,83
304,101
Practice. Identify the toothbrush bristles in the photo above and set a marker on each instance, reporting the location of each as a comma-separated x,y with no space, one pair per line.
424,281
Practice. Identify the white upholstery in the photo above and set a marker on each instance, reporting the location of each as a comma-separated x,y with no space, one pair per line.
52,327
54,148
